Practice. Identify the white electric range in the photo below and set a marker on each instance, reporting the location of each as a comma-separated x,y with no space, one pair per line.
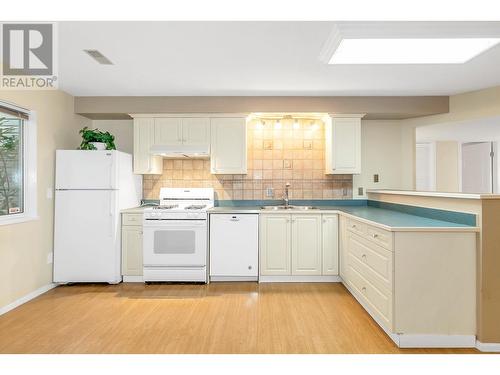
175,236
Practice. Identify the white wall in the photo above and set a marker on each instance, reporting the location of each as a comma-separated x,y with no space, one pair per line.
24,247
122,130
387,150
447,166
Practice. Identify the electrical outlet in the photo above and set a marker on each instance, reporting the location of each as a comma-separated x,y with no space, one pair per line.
360,191
50,258
375,178
269,192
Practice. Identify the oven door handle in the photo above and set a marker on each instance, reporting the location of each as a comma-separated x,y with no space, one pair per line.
165,224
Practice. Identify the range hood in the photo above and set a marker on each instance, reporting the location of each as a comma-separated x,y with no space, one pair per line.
181,151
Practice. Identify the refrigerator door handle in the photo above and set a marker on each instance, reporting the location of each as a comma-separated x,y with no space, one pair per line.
111,213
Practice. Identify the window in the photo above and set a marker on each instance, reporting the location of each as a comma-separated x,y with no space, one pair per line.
17,164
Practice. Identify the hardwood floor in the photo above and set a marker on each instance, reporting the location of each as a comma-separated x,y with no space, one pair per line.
215,318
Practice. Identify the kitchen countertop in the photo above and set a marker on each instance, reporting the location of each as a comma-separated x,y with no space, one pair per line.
437,194
134,210
386,219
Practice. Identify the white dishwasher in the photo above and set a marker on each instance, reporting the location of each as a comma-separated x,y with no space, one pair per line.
234,247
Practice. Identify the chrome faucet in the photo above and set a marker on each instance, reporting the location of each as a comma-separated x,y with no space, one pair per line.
285,195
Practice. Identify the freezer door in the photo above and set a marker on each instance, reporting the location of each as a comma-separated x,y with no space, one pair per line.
86,237
77,169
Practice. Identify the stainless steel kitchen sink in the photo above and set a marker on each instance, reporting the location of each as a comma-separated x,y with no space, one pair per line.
290,207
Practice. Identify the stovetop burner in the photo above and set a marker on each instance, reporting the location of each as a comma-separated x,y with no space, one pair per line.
166,207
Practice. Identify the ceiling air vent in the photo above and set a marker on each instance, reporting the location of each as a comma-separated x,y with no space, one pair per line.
98,56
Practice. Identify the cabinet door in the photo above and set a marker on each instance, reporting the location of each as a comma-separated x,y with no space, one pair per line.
132,250
228,146
306,244
275,245
343,248
168,131
196,131
330,245
144,162
343,146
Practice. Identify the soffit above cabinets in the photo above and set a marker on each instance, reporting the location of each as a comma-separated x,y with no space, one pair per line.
375,107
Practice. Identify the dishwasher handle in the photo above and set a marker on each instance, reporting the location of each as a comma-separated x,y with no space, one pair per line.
234,218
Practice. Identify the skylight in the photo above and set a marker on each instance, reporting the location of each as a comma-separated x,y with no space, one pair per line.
410,51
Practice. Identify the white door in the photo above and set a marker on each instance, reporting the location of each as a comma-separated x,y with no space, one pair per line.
425,163
306,244
330,245
228,146
477,167
180,243
86,236
234,245
275,245
195,131
167,131
77,169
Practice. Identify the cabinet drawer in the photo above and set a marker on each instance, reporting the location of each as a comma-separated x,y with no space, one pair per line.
357,227
131,219
380,236
377,260
380,303
382,285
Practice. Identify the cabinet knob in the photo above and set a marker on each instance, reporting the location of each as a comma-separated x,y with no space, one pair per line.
363,289
374,235
249,267
363,256
353,226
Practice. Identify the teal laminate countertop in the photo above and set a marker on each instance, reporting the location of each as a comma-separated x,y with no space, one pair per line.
387,219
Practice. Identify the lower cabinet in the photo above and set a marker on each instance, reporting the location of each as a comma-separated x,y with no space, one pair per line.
413,283
298,245
131,248
275,242
330,245
306,245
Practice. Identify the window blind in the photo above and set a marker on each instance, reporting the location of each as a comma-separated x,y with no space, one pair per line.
14,110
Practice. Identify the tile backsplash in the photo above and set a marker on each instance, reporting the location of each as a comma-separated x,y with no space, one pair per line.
277,153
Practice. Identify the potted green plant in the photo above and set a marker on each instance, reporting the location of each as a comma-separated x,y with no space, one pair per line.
95,139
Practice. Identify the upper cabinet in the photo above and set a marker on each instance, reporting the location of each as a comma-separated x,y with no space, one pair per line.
186,131
228,146
196,131
144,162
167,131
343,144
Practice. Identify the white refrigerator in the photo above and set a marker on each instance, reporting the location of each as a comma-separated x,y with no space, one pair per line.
91,189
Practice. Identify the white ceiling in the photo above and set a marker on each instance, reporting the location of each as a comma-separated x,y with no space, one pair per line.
245,58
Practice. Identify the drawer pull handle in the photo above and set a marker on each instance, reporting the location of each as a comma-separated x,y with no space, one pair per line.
363,289
353,226
363,256
374,235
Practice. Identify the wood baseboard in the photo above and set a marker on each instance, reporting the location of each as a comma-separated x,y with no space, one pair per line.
492,347
299,279
133,279
28,297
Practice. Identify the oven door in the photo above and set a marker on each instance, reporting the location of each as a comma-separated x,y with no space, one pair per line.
175,243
